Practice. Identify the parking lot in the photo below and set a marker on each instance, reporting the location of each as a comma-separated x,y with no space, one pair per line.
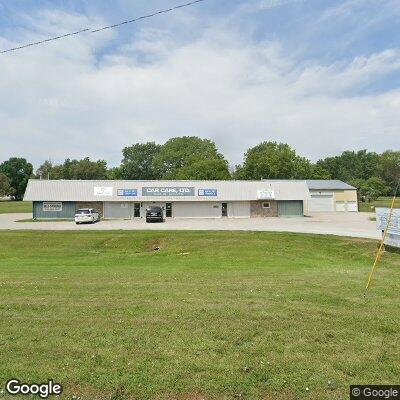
341,224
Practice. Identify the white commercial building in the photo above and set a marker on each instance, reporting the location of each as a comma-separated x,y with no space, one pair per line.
179,199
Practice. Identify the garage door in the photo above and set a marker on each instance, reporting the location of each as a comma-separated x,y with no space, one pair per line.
290,208
118,210
340,206
319,203
352,206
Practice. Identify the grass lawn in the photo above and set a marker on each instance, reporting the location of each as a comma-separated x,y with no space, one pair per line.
8,207
213,315
381,202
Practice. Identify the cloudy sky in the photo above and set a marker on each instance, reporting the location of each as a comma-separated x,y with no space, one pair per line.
321,75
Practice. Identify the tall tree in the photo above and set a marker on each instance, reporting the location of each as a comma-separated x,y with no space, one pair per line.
86,169
352,165
370,189
213,170
389,168
5,186
45,170
183,156
74,169
272,160
18,171
138,162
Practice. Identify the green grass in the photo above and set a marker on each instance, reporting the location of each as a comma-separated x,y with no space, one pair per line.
213,315
381,202
8,207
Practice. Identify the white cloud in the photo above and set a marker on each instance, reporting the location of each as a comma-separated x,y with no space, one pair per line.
63,100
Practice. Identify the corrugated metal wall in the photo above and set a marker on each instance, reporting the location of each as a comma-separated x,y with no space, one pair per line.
290,208
68,211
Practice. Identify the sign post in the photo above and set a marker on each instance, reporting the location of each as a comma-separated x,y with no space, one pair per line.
386,222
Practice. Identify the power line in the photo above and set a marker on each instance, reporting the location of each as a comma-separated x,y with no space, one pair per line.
168,10
44,41
165,11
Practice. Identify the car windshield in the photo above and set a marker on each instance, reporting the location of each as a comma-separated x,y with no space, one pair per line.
154,209
84,211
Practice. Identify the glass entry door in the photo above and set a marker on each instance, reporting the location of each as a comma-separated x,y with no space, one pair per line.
168,210
136,210
224,209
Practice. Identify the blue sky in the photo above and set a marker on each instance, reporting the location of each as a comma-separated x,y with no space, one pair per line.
322,76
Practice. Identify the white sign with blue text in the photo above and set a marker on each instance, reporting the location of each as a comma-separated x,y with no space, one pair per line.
127,192
382,218
208,192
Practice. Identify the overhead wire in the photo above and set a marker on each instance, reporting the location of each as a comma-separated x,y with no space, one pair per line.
90,30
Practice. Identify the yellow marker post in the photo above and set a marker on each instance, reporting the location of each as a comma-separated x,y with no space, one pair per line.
380,249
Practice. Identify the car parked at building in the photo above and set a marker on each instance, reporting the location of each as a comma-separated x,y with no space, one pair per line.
86,215
154,214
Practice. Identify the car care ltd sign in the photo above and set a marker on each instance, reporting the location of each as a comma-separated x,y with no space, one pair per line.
168,191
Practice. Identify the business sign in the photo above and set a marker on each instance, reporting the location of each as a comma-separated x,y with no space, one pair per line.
393,234
266,194
127,192
103,191
168,191
52,207
208,192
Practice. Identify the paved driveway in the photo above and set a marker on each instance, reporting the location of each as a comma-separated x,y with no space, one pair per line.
352,224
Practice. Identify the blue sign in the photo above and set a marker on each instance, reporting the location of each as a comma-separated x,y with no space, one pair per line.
208,192
127,192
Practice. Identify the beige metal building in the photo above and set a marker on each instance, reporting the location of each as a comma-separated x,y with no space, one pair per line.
331,196
179,199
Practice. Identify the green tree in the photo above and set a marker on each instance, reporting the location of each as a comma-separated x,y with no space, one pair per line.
86,169
352,165
389,168
138,162
272,160
318,172
18,171
5,186
370,189
114,174
185,156
45,170
74,169
213,170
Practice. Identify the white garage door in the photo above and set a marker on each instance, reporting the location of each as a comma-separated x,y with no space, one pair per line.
319,203
340,206
352,206
118,210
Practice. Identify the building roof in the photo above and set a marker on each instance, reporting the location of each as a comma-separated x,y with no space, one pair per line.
65,190
331,184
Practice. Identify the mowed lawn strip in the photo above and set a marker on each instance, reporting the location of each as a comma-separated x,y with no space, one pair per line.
11,207
215,315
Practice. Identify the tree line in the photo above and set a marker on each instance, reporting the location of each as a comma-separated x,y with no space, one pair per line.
191,157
